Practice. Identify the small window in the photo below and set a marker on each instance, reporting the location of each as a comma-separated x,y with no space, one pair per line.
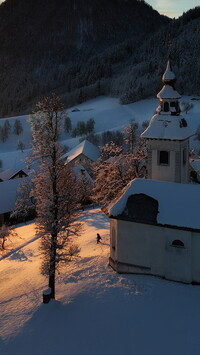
177,106
178,243
182,123
166,107
163,157
172,103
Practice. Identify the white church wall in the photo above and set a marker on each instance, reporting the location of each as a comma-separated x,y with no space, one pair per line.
148,249
140,248
195,257
176,170
162,172
178,259
113,240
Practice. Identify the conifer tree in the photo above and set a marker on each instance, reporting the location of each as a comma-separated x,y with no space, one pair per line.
17,128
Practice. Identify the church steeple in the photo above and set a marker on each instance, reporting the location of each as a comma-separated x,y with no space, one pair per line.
168,96
168,135
169,77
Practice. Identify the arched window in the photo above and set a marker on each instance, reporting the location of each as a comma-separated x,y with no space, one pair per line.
166,106
178,243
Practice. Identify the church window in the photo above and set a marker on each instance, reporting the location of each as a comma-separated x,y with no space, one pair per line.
166,106
172,103
163,158
177,106
178,243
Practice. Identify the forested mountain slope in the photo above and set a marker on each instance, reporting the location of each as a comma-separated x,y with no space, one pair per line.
57,45
82,49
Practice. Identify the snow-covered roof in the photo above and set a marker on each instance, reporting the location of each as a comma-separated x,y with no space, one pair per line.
9,173
168,92
80,171
8,194
167,127
195,164
168,74
86,148
178,204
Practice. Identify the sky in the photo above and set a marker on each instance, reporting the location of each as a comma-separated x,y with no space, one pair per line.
173,8
170,8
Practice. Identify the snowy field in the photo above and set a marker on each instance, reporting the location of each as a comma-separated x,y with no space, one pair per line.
97,312
108,115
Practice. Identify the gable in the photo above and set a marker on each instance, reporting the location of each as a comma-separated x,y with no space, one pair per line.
141,208
19,174
178,203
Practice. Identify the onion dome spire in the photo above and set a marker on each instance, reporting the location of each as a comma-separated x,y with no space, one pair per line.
169,77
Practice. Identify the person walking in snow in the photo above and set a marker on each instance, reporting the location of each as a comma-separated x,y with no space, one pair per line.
98,238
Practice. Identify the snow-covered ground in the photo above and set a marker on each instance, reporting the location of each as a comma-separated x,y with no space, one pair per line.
108,114
97,311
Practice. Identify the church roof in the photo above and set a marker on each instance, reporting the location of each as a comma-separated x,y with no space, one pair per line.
168,75
167,127
86,148
178,204
168,92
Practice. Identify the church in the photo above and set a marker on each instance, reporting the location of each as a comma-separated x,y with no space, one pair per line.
155,223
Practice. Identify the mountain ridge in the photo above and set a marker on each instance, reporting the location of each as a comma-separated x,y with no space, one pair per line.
84,49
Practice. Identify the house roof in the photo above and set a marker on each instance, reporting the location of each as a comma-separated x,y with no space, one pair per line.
86,148
9,173
8,193
178,204
167,127
80,171
195,164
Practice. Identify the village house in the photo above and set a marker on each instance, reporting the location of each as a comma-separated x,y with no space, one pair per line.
14,173
84,154
8,193
155,223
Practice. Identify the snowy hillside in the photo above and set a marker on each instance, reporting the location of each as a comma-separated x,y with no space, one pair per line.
108,115
97,311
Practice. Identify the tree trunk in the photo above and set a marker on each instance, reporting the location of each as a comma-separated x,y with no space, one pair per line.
52,266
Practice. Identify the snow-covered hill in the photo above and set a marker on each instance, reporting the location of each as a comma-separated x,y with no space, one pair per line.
108,114
97,311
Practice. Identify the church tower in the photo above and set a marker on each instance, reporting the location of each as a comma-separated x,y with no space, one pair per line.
168,136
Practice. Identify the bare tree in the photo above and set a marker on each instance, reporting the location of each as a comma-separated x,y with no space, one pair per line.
25,203
113,173
55,191
130,135
67,125
5,232
186,106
